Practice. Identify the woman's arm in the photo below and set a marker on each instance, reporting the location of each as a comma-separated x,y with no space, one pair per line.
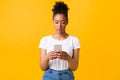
73,61
44,58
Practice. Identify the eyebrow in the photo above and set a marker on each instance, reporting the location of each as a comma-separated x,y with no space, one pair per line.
58,20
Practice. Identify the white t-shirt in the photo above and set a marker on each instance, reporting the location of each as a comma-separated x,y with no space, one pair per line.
68,44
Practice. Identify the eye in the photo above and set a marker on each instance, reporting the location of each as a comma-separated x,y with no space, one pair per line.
63,22
56,22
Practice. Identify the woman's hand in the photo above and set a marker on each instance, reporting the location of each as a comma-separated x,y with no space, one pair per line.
52,55
62,55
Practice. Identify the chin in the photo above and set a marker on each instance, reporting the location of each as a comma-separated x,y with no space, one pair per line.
60,31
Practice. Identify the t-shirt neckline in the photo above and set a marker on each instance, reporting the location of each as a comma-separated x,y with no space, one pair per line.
60,40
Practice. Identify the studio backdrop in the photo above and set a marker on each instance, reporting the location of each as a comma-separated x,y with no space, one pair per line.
95,22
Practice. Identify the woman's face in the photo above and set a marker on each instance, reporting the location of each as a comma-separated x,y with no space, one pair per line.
60,22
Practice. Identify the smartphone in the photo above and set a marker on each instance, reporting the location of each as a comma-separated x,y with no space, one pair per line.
58,47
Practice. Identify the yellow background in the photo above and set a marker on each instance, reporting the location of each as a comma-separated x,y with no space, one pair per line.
95,22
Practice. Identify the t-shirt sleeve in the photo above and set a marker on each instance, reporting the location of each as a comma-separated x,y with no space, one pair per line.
76,43
42,43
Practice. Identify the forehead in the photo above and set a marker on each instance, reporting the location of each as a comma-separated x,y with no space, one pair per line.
59,17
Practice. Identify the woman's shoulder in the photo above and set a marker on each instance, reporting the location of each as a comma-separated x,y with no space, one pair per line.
46,37
73,37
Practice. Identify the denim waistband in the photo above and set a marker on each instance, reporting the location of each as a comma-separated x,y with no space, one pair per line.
59,71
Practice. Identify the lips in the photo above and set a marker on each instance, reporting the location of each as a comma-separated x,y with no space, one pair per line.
59,29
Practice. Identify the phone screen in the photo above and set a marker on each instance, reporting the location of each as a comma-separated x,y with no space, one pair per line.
58,47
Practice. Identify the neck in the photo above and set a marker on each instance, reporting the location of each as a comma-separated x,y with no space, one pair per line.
60,36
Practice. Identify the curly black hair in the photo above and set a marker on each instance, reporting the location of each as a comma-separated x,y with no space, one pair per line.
60,8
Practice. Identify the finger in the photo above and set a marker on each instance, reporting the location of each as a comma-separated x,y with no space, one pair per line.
53,57
58,53
54,54
58,56
50,52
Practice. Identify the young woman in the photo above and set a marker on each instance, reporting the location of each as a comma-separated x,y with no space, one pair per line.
59,52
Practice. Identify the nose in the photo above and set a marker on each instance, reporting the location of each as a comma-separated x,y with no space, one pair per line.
60,24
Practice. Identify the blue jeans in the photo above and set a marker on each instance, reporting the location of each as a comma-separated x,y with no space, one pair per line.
51,74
